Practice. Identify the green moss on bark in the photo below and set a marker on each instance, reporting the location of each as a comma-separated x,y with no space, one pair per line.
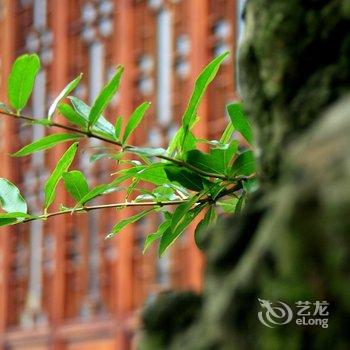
292,242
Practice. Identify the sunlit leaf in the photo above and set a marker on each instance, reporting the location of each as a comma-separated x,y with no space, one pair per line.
95,192
118,127
44,122
154,173
14,218
239,121
144,198
63,94
135,120
181,142
46,143
61,167
152,237
11,199
227,134
102,126
105,96
21,80
201,84
76,184
72,115
130,220
165,193
228,205
147,151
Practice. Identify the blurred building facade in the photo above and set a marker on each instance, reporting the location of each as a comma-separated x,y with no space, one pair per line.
62,285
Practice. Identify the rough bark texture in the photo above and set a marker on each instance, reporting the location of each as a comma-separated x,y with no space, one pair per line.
292,242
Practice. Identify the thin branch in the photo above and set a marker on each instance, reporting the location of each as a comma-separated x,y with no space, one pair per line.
114,142
104,206
122,205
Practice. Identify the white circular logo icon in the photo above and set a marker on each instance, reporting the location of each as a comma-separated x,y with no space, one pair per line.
273,314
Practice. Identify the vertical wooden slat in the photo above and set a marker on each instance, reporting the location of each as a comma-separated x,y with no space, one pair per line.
198,11
60,223
7,56
124,243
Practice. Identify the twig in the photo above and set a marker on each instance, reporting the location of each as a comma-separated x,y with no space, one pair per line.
104,206
116,143
122,205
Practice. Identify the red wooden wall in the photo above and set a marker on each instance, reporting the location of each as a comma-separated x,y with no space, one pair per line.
62,285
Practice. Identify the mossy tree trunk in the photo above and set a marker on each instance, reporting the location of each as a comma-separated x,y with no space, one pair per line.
292,243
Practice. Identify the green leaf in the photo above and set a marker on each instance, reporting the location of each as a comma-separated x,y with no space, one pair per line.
95,192
13,218
72,115
118,127
8,221
108,155
224,155
152,237
181,211
135,120
75,184
63,94
62,166
170,235
11,199
215,189
240,204
209,219
17,214
227,134
21,80
102,126
147,151
44,122
154,173
123,223
228,205
239,121
201,84
244,164
156,235
184,177
250,185
105,97
212,163
181,142
45,143
165,193
144,197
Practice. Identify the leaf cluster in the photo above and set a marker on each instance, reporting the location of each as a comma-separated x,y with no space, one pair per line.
180,182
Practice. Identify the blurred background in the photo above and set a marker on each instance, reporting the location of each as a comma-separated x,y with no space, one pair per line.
62,285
